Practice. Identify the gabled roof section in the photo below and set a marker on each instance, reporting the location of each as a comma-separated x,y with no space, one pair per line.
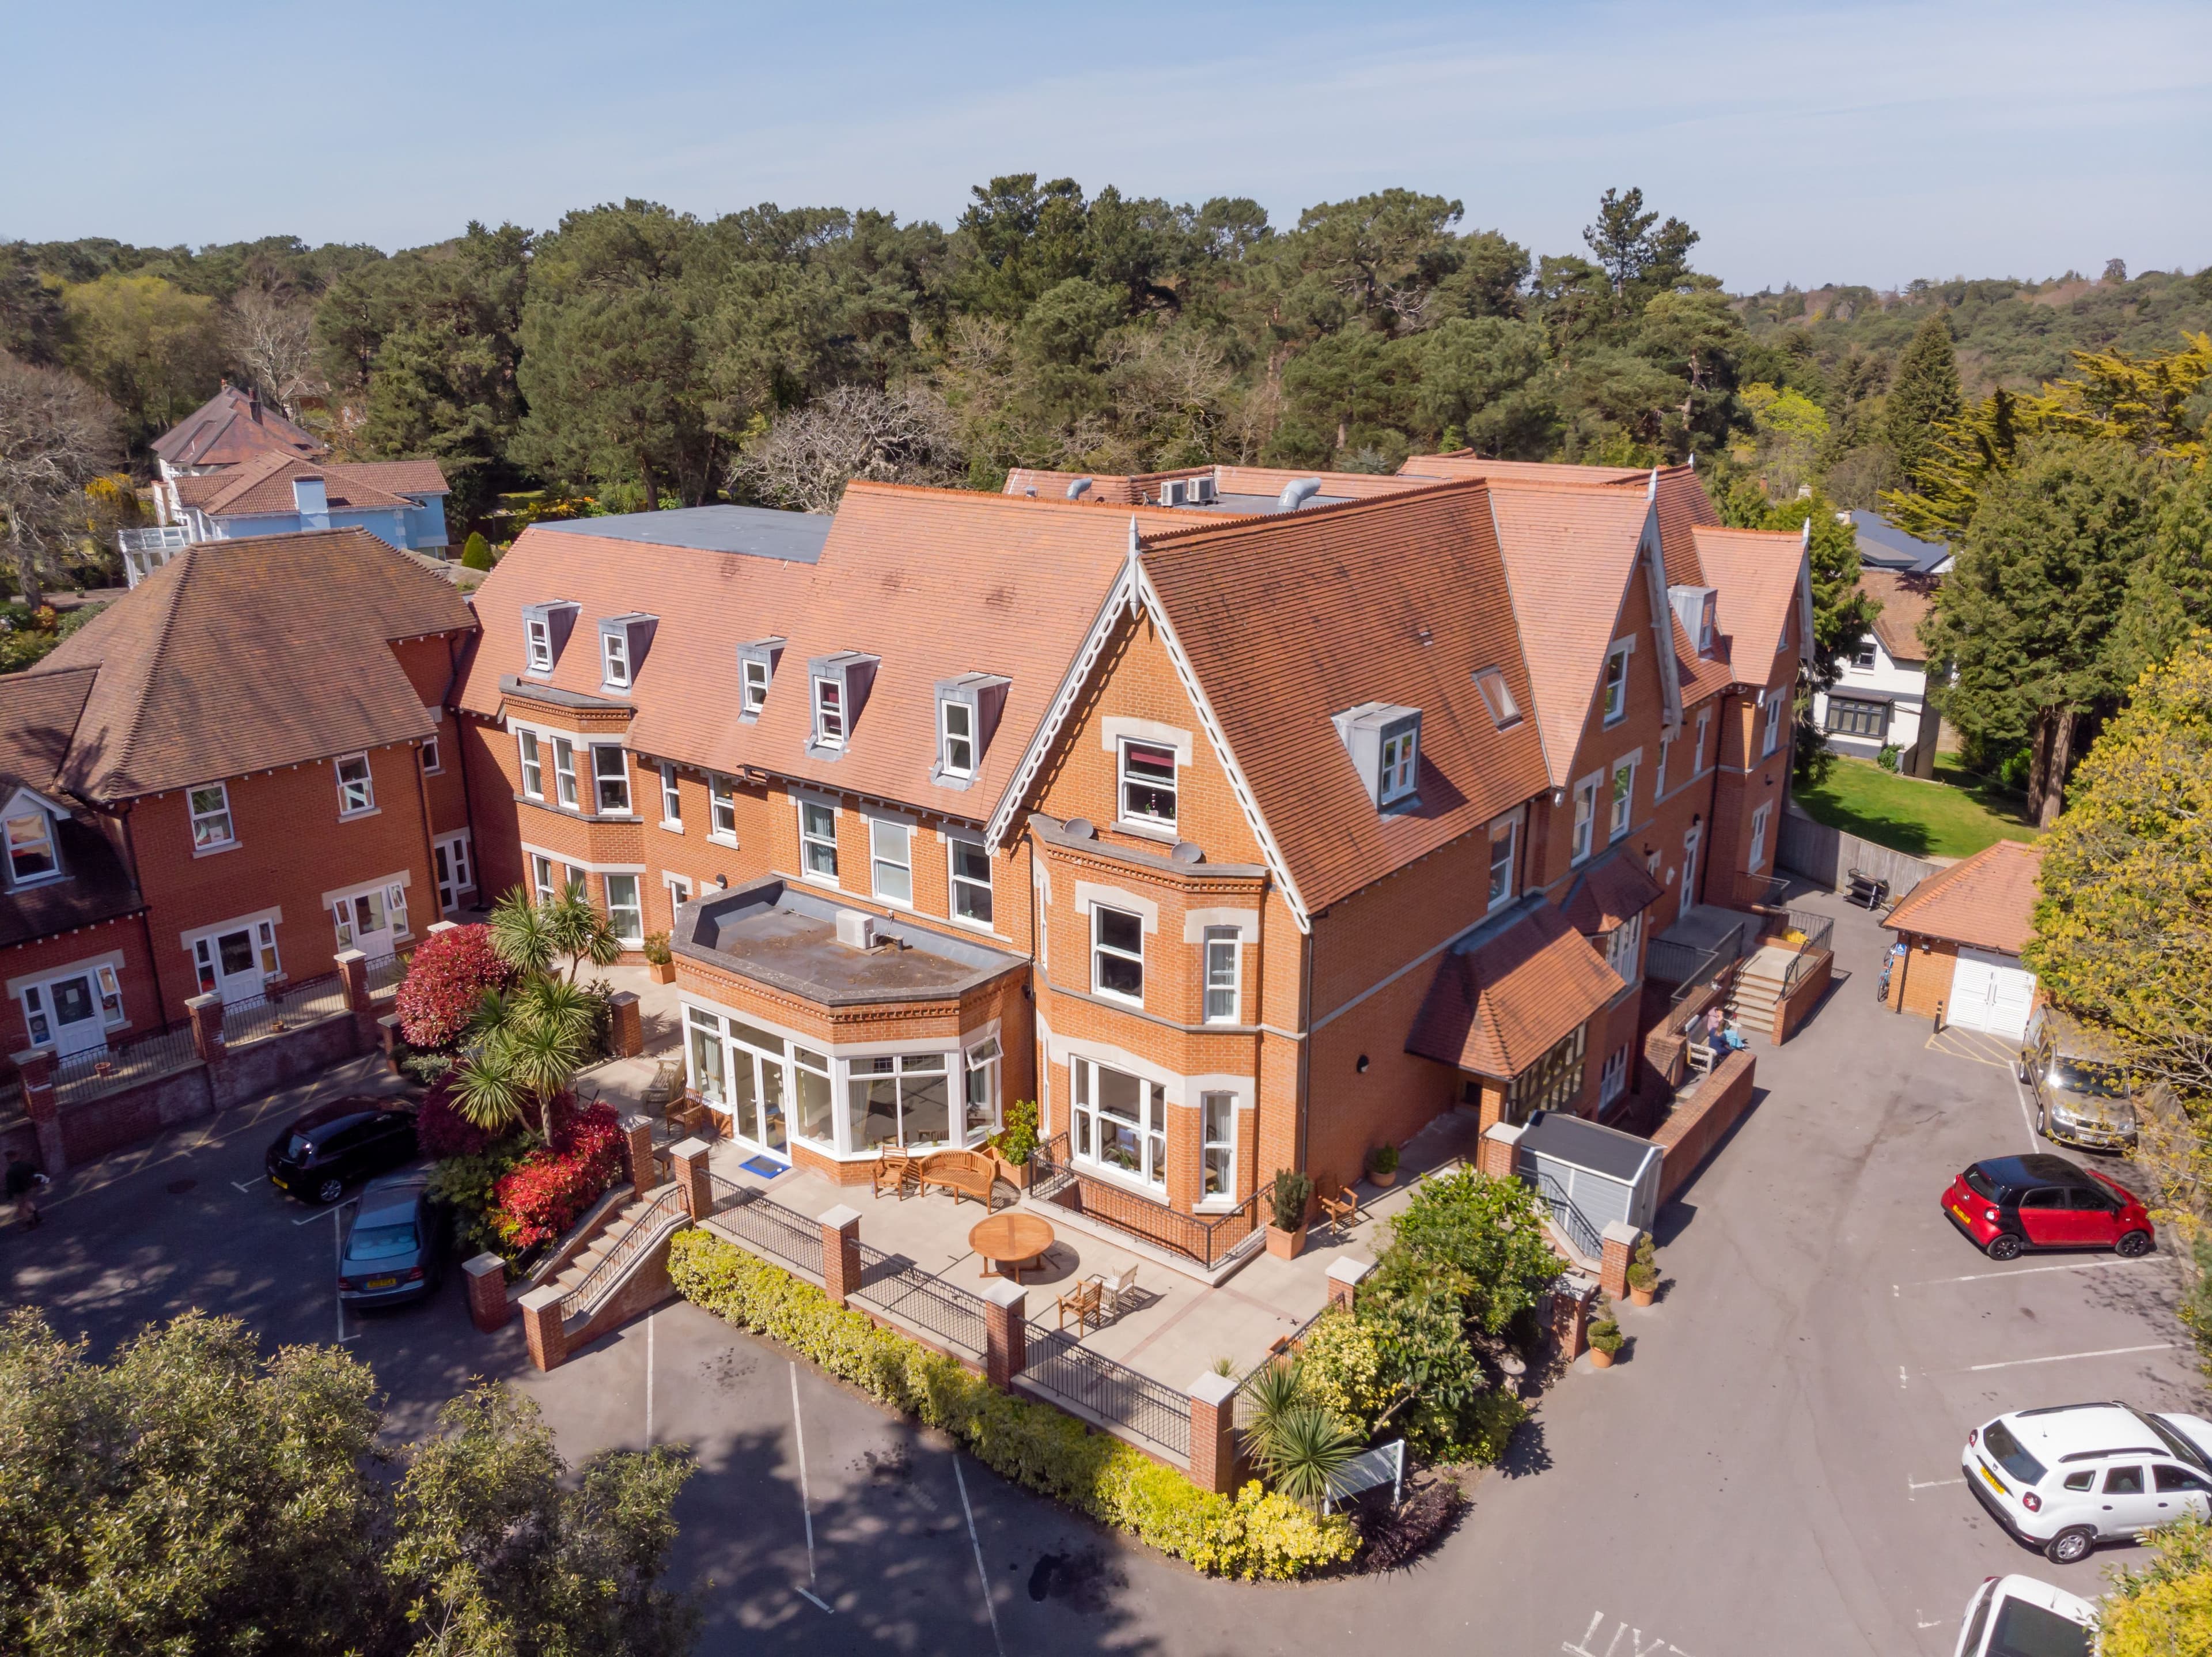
39,715
1905,598
1761,574
1986,901
1498,1005
264,486
231,428
241,655
1283,622
1609,892
1569,557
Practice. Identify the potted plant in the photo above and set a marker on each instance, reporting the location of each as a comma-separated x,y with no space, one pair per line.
1606,1340
1383,1165
1644,1273
1287,1232
659,960
1013,1145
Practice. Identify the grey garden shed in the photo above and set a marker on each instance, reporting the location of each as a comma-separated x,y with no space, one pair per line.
1590,1175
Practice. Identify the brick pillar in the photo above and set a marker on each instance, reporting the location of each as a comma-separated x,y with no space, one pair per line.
35,1066
1620,1241
687,1157
353,978
541,1327
1005,1331
1186,1162
1214,1462
205,1015
1498,1144
625,1025
389,1041
638,1151
489,1307
1492,1106
1345,1274
436,927
841,1252
1571,1314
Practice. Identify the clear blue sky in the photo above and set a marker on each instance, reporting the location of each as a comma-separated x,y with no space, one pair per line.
1845,142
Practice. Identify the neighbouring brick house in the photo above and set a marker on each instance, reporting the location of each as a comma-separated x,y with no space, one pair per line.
236,771
1960,935
1246,819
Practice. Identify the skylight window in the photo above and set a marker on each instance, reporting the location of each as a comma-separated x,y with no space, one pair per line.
1498,696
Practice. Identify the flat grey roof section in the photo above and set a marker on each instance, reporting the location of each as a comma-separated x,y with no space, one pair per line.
787,938
758,532
1262,505
1581,1144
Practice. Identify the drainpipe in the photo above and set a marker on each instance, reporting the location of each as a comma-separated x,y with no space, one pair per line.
1305,1047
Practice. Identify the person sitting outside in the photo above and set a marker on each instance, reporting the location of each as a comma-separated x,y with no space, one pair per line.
23,1184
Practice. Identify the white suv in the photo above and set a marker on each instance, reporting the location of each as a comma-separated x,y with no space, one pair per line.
2067,1477
2013,1616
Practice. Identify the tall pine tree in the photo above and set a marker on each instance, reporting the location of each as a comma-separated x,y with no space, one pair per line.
1924,393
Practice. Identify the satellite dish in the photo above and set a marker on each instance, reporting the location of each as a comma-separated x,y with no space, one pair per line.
1188,851
1080,828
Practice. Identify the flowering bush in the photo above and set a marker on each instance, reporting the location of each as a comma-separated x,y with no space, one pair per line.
550,1189
444,981
443,1131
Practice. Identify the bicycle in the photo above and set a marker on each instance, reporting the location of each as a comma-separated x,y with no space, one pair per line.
1882,986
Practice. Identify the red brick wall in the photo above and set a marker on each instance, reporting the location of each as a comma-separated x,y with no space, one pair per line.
1691,1130
126,937
1921,979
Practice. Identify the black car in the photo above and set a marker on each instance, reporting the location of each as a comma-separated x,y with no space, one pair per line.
395,1249
323,1152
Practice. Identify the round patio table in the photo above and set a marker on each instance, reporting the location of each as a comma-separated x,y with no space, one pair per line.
1010,1241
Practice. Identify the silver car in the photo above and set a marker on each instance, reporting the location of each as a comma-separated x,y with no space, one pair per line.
396,1244
2080,1083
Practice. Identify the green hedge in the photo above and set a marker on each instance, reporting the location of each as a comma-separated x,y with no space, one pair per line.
1250,1535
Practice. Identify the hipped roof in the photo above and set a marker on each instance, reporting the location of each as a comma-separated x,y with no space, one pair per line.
1497,1008
1986,901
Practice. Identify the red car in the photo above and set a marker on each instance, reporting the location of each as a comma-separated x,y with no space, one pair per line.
2008,1204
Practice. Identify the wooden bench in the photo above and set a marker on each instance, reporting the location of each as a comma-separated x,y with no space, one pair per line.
964,1174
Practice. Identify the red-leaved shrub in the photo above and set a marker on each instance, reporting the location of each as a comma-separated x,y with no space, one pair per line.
443,1131
548,1190
445,982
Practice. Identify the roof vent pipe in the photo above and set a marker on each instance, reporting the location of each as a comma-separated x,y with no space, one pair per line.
1297,493
1075,489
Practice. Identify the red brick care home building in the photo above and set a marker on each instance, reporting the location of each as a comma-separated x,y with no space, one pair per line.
233,773
1247,820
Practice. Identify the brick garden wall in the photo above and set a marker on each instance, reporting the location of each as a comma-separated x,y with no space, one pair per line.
1691,1128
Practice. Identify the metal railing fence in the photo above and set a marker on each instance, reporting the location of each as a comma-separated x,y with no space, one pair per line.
1244,1408
1210,1241
769,1227
1819,932
664,1215
386,971
1568,1218
902,1290
105,1070
244,1021
1112,1391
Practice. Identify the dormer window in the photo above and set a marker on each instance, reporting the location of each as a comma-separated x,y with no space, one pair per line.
955,730
545,628
623,642
31,847
1498,696
968,711
1385,741
837,694
755,673
1697,609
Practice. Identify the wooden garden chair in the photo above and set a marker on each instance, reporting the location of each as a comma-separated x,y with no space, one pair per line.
1084,1301
1341,1209
894,1173
1119,1292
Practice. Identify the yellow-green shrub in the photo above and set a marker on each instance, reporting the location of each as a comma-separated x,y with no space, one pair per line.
1253,1534
1341,1370
2163,1609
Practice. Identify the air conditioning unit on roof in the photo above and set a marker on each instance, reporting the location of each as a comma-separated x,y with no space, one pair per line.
1174,491
1203,492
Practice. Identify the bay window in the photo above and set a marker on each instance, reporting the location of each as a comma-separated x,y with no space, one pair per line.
533,766
1121,1121
610,775
817,1118
900,1098
1117,954
564,771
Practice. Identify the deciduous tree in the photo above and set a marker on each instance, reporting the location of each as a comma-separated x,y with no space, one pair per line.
810,453
56,435
156,351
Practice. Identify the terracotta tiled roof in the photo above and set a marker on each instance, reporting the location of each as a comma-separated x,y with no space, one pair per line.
1986,901
1136,488
934,582
229,429
1340,485
1609,892
245,654
1570,555
1905,599
1497,1008
39,712
400,477
1760,575
264,486
1107,488
1683,505
1287,621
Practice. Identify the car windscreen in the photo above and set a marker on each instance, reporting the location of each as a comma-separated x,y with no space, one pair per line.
2179,1445
1982,1186
2089,1080
381,1242
1997,1439
298,1146
2026,1630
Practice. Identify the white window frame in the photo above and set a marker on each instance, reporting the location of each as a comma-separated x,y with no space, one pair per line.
1614,690
460,869
1775,701
1498,898
1622,946
1866,658
1221,973
721,809
753,685
537,641
1123,782
1759,821
603,780
980,1063
531,754
204,838
1698,759
1401,762
1100,947
364,786
1621,801
633,910
958,883
45,844
1150,1172
812,840
829,713
1498,696
678,888
614,655
671,802
1216,1152
564,773
891,862
1613,1076
543,885
963,741
1585,809
434,760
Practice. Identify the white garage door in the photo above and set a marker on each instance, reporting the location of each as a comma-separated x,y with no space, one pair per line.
1990,992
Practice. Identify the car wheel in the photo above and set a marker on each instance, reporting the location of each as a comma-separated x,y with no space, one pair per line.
2043,1122
2133,1244
2070,1547
2004,1246
331,1189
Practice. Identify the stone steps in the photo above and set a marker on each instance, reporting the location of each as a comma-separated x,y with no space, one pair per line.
617,1225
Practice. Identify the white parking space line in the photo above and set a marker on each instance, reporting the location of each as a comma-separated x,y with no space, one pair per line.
2027,1116
249,1185
1913,1486
981,1575
2019,1271
805,1502
2061,1357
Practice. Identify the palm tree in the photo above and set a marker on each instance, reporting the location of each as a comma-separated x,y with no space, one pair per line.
522,1053
1308,1449
1276,1390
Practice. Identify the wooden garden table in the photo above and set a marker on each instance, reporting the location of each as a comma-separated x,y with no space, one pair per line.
1010,1241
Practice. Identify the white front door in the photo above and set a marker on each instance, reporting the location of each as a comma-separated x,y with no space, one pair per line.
73,1005
228,965
1992,993
372,921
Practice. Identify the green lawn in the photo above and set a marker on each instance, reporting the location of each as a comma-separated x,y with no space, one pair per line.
1952,817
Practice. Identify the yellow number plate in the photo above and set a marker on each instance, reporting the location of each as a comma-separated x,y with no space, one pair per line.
1961,1213
1994,1483
381,1283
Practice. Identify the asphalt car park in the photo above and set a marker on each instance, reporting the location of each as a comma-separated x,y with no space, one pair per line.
1774,1467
